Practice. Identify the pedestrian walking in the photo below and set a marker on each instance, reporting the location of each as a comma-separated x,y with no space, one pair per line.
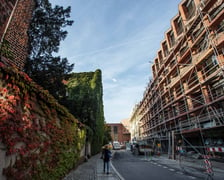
106,155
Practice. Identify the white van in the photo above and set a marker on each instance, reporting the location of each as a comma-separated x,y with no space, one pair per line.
116,145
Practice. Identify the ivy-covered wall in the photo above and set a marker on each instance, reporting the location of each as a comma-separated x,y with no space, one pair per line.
85,101
39,138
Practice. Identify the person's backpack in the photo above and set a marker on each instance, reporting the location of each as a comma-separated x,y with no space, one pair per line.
107,154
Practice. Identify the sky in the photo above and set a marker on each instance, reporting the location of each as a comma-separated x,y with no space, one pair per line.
121,38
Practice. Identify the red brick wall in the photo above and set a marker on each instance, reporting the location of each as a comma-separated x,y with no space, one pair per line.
16,33
6,7
122,134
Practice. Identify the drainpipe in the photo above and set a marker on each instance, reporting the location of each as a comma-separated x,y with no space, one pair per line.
7,25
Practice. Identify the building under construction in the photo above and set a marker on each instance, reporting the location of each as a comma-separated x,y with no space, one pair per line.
183,105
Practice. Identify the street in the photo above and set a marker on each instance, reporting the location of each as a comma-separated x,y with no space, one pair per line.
133,167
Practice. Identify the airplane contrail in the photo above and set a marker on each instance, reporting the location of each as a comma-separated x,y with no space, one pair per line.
109,47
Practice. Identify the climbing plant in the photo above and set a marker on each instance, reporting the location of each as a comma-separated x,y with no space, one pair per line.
41,139
85,101
5,49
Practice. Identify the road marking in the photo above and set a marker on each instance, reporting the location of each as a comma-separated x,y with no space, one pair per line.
165,167
118,174
191,177
171,169
159,165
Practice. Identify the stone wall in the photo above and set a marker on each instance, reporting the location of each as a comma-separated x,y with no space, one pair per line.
39,139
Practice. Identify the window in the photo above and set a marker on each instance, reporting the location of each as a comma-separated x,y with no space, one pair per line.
160,58
214,60
190,6
165,49
115,130
220,28
171,39
217,89
216,10
179,26
172,63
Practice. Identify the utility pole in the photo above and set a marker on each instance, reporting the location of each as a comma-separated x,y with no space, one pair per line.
173,145
169,145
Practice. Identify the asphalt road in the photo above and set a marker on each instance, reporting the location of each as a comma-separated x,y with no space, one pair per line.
133,167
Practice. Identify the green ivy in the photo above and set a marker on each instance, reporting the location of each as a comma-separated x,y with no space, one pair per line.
5,49
85,102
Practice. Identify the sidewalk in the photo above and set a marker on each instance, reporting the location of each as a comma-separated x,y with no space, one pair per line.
92,170
194,167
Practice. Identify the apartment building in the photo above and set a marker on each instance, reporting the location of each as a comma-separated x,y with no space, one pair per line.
184,102
120,131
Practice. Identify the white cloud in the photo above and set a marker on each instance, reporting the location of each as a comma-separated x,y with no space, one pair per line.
114,80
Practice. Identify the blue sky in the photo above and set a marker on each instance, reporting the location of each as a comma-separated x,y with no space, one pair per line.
119,37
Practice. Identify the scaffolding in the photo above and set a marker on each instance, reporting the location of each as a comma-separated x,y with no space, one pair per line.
186,96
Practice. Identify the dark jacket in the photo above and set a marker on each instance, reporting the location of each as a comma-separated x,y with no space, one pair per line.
106,155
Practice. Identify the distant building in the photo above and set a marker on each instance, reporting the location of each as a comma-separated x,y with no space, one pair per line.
14,23
134,124
120,131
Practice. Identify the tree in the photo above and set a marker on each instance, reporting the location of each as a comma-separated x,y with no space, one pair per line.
107,134
45,33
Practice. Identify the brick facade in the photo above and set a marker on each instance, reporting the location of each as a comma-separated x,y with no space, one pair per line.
15,28
6,7
119,132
